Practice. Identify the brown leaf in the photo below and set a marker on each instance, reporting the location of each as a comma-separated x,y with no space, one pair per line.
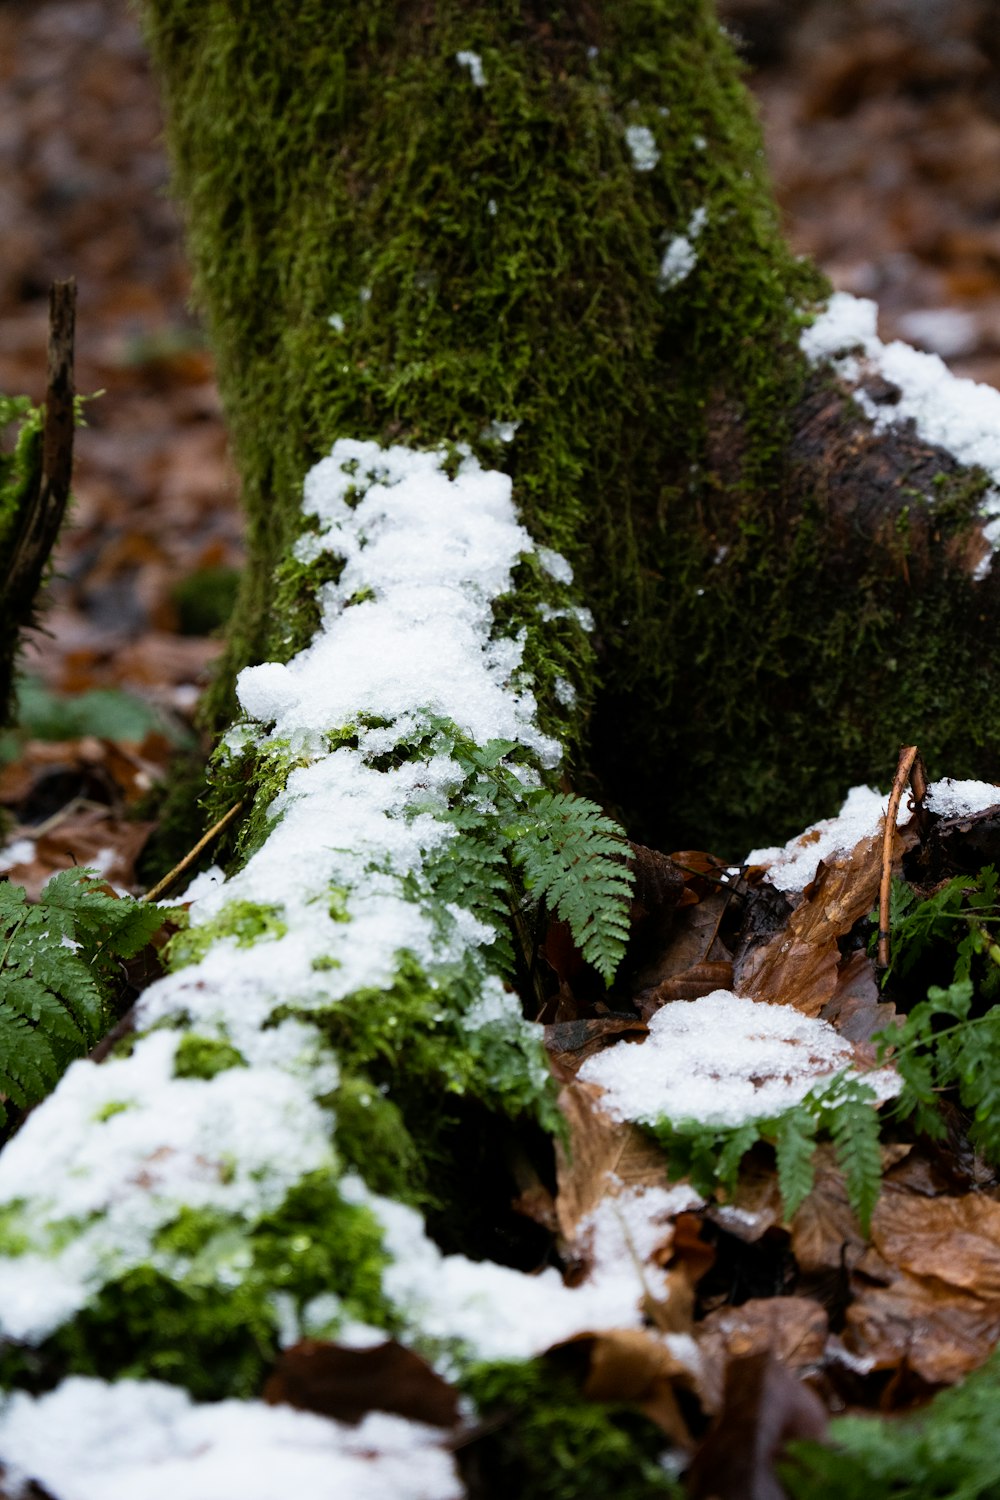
598,1148
694,940
764,1407
928,1289
347,1383
630,1365
799,966
570,1043
700,979
855,1007
793,1329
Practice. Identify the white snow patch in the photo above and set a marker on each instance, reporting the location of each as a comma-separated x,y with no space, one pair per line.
88,1440
959,415
961,799
680,256
792,867
642,147
336,322
722,1060
17,852
500,1313
474,63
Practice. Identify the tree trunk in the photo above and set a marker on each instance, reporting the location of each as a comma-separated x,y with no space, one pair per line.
575,235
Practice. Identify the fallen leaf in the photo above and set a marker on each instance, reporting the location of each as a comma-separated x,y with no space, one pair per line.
347,1383
634,1367
793,1329
799,965
599,1149
570,1043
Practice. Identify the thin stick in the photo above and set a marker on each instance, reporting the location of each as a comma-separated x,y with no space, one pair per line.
907,756
189,858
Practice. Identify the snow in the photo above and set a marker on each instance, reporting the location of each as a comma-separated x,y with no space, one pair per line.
642,147
959,415
474,63
19,851
501,1313
722,1060
680,257
794,866
88,1440
961,799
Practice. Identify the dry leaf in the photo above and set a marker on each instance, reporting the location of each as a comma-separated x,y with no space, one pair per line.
347,1383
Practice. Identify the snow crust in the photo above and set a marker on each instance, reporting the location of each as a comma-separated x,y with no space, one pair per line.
959,415
502,1313
722,1060
793,866
143,1440
961,799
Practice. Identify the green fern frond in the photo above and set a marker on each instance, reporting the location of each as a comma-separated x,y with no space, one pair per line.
58,960
573,858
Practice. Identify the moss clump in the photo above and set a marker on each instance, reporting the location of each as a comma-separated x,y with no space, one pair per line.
204,600
204,1057
427,1107
551,1444
206,1314
246,921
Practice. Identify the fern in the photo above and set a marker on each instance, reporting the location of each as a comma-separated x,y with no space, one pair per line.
951,1451
943,1044
569,855
57,963
843,1109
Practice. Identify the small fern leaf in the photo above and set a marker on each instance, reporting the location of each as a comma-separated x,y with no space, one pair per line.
794,1146
572,857
854,1127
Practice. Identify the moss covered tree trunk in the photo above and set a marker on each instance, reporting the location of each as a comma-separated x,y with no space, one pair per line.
546,232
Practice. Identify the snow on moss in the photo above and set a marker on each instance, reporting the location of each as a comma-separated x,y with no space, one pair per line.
184,1159
642,147
959,415
88,1440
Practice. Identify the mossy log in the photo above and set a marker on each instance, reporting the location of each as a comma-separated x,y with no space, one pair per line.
575,236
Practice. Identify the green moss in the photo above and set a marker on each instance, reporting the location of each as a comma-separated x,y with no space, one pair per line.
111,1108
205,1315
204,1057
426,1107
246,921
551,1444
14,1237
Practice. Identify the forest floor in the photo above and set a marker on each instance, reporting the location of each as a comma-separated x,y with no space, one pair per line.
882,123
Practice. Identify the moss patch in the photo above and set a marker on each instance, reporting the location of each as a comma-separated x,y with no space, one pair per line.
204,1057
246,921
551,1444
210,1322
